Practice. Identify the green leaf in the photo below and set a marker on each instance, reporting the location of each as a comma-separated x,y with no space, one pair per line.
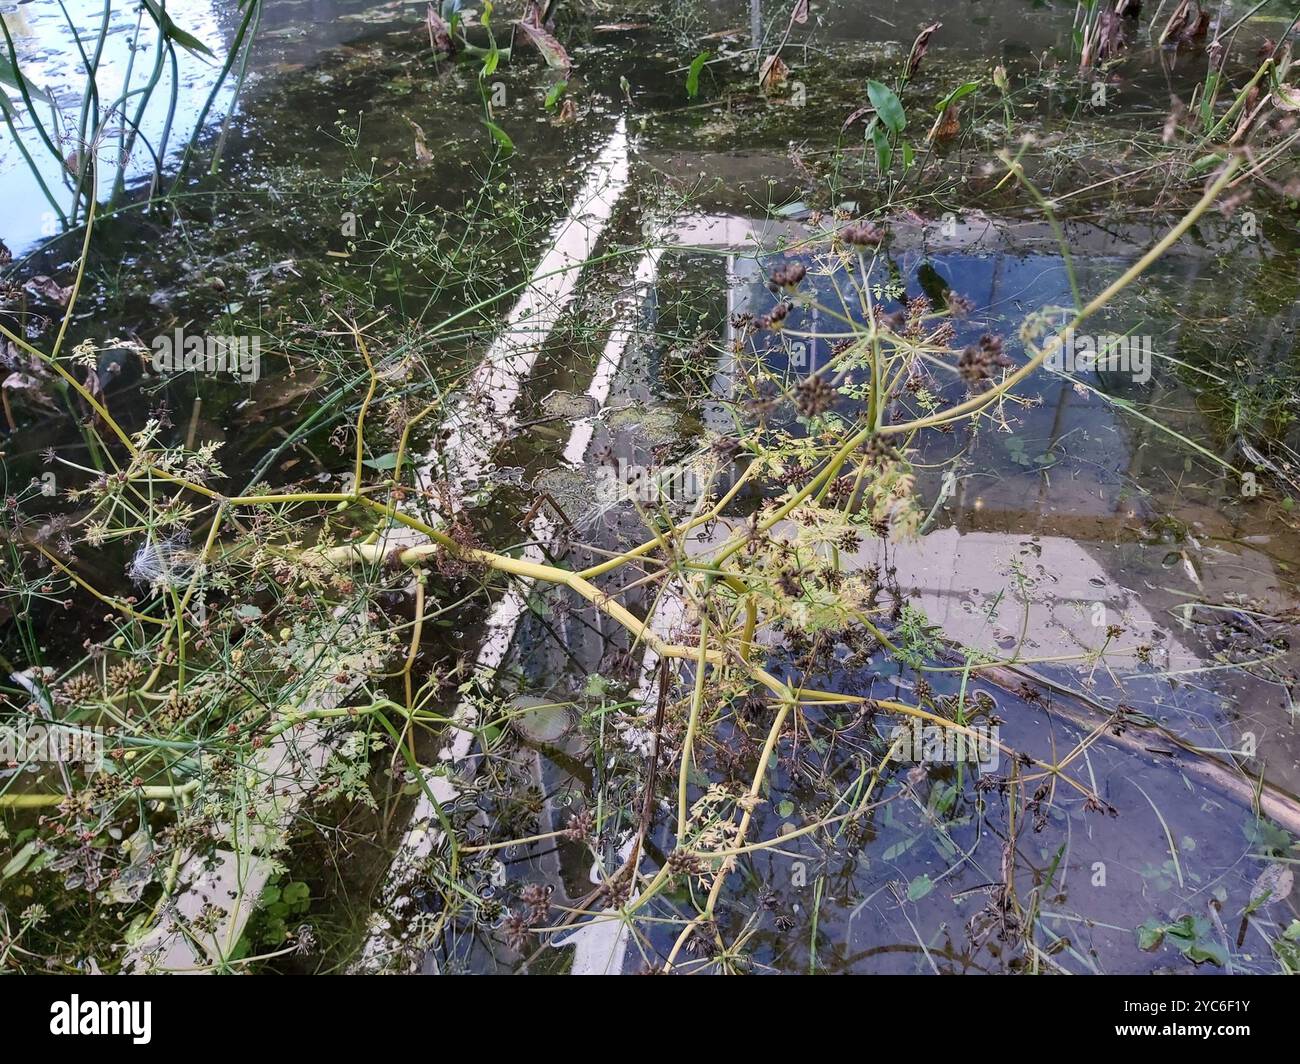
553,96
898,849
1192,935
1289,954
174,33
136,930
10,75
1207,99
786,809
19,861
955,95
383,462
919,888
1267,836
693,75
1150,933
884,153
297,892
943,798
500,135
887,106
1205,162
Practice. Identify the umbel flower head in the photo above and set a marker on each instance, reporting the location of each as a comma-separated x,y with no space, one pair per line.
788,275
814,396
862,234
775,319
978,361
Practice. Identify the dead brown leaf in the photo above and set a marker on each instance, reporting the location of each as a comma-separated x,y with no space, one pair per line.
773,72
568,112
946,126
440,39
423,156
50,289
920,46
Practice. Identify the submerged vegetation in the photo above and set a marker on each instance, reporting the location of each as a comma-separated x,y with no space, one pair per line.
737,488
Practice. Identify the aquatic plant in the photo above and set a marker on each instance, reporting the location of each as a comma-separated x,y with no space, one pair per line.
284,638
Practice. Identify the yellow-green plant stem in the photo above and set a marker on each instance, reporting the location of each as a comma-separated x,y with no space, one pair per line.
688,743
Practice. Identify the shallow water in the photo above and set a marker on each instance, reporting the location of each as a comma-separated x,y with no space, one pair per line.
1072,520
1087,502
